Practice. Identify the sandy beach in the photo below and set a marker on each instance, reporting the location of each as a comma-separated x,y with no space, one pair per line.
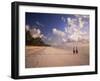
43,56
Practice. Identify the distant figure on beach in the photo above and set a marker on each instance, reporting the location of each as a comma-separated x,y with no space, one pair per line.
74,30
75,50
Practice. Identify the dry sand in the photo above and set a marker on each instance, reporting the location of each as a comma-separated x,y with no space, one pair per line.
42,56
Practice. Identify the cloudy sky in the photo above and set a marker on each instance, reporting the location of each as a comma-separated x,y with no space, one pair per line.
58,28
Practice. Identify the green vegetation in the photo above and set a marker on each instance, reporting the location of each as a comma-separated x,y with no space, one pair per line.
34,41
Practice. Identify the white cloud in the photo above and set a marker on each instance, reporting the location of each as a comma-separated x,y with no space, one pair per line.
39,24
58,32
74,29
27,27
69,21
58,37
86,16
84,36
66,30
82,16
77,36
64,40
63,19
36,33
81,23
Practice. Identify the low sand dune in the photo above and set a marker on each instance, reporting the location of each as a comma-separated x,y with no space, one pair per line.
42,56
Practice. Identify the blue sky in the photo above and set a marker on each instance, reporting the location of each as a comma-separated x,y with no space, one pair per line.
52,25
46,21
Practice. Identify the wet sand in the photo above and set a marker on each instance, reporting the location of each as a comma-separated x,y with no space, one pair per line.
43,56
